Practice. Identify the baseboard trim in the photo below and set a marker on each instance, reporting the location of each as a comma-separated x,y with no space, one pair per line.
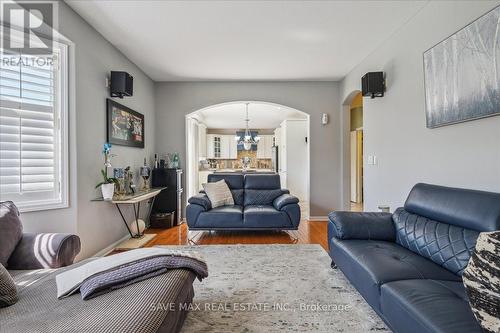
318,218
111,247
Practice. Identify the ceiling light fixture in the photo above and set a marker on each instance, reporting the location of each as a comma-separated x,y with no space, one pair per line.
247,140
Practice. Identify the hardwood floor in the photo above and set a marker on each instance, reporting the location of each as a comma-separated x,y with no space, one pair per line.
309,233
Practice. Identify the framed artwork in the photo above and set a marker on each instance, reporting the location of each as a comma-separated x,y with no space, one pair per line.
462,74
124,126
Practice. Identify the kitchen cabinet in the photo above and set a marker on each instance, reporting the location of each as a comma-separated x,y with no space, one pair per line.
214,146
210,146
265,146
221,146
224,146
233,147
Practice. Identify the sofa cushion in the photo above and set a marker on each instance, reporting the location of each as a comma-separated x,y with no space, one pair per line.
219,194
221,217
238,196
233,180
415,306
482,281
361,225
262,182
370,264
265,216
447,245
201,200
261,197
8,291
283,200
11,230
470,209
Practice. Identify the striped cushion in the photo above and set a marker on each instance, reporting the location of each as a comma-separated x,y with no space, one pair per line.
219,194
8,291
482,281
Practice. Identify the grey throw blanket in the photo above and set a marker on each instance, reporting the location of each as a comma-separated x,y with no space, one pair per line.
134,272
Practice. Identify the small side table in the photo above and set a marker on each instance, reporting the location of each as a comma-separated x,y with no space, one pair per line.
134,200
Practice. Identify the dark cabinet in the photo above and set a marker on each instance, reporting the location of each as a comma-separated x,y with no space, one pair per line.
170,199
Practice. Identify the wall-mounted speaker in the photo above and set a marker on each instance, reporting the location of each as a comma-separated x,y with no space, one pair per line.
122,84
373,84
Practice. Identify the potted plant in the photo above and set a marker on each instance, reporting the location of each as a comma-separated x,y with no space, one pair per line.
108,184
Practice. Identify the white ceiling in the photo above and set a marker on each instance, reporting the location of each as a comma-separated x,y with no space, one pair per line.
261,115
246,40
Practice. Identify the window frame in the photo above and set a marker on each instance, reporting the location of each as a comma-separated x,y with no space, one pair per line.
61,137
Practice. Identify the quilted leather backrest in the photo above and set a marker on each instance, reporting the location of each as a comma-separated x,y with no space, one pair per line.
233,180
262,197
238,196
262,189
470,209
447,245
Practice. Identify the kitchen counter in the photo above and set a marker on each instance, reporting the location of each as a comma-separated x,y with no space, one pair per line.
235,170
203,173
244,171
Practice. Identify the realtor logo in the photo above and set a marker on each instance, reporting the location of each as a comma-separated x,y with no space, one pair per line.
28,26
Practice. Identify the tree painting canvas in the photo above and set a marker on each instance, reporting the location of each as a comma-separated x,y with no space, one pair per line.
462,74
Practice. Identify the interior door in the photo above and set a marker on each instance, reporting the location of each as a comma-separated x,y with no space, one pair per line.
359,166
354,187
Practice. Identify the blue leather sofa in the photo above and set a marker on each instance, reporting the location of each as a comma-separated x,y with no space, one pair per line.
408,265
259,204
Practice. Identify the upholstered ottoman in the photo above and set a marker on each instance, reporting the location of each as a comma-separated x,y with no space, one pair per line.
154,305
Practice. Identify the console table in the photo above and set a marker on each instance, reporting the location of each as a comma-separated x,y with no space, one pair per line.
134,200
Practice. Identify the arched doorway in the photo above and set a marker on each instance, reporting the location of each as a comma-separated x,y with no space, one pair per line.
352,148
284,145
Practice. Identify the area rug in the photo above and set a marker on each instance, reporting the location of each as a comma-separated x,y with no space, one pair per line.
276,288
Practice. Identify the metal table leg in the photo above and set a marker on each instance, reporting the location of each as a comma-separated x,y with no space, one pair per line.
124,221
136,215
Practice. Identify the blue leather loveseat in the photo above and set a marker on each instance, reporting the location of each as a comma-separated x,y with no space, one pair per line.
408,265
259,204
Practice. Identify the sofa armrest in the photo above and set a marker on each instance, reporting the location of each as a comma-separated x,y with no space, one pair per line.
46,250
201,200
283,200
361,225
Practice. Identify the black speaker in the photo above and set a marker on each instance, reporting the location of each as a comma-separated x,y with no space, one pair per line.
122,84
373,84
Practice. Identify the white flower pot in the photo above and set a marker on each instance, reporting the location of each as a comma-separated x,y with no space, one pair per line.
107,191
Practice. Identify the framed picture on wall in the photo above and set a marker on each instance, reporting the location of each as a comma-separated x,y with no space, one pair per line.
125,126
462,74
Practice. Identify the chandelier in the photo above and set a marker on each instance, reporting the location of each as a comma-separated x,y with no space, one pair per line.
247,140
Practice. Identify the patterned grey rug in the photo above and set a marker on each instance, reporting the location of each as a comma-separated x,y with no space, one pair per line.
276,288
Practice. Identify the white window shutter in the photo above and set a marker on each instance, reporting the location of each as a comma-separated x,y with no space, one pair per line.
30,138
